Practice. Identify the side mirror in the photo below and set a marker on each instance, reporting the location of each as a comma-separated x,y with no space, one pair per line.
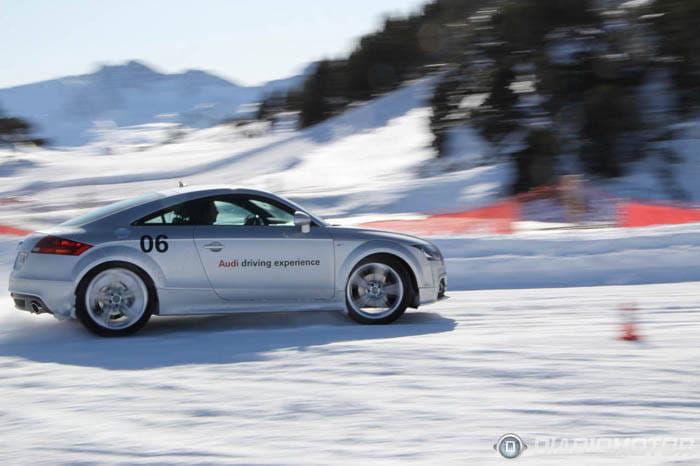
302,219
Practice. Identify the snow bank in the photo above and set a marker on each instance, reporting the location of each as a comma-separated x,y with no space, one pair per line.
574,258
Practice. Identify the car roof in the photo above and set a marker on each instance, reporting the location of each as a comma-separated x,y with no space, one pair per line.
209,189
159,199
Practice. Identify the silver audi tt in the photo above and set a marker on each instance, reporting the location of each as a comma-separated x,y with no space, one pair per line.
209,250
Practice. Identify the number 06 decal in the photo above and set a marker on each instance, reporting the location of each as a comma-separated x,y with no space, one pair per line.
147,243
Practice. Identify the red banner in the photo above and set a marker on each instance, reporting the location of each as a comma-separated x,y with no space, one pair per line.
12,231
497,219
642,215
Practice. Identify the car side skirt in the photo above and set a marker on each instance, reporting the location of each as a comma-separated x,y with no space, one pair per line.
172,302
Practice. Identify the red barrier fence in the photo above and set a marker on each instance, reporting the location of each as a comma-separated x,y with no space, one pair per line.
631,214
12,231
497,219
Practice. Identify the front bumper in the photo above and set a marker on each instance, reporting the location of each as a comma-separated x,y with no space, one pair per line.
437,291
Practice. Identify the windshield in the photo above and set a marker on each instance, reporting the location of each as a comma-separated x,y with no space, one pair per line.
111,209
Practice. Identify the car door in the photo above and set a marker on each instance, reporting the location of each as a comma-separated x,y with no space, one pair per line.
251,251
169,242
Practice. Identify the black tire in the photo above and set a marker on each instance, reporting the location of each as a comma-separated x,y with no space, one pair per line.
87,320
398,307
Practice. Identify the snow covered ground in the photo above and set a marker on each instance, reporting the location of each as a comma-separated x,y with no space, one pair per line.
438,387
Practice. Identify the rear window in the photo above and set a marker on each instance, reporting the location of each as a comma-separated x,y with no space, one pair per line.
111,209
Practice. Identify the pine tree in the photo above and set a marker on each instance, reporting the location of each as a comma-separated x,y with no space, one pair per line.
677,24
384,59
16,131
314,101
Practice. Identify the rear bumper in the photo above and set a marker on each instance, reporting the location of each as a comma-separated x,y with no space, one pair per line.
51,296
29,303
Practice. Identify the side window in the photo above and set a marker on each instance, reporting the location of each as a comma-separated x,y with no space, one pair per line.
274,215
188,213
224,211
230,213
245,211
162,218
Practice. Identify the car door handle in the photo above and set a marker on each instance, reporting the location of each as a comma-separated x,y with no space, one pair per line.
214,247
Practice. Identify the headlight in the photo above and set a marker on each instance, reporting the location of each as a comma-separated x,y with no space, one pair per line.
432,253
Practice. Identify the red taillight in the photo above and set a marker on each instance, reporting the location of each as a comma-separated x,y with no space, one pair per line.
54,245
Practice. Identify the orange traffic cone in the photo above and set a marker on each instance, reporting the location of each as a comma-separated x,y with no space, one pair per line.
629,323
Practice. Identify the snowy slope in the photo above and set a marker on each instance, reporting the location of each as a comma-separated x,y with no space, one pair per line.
372,162
645,180
373,159
68,110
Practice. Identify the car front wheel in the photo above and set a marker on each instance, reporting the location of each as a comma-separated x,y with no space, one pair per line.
115,300
377,291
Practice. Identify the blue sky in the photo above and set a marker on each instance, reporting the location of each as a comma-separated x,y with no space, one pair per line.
249,41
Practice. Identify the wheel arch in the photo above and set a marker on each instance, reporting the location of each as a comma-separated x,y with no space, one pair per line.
107,264
118,254
387,251
414,294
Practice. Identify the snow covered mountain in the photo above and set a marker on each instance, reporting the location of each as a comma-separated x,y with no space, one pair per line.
68,110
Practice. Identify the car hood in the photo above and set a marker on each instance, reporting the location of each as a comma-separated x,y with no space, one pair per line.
364,233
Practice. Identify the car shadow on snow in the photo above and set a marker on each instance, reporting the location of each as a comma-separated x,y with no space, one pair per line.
173,341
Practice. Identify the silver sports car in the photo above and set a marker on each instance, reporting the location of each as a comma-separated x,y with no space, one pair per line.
206,250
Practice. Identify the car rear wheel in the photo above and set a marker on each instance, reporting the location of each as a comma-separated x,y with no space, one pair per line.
115,300
377,291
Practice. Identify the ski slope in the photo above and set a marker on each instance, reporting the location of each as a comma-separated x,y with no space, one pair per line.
373,160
